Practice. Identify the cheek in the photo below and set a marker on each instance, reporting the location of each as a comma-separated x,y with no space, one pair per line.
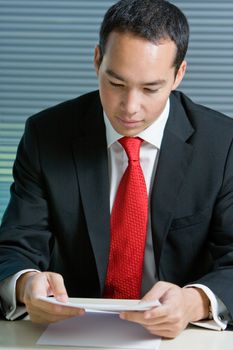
156,107
108,98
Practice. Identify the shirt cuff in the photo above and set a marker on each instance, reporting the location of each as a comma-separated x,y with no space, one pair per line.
7,291
220,314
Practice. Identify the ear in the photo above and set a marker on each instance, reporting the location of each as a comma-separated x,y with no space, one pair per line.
97,59
179,75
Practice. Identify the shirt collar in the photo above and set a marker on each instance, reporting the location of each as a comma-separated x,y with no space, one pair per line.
153,134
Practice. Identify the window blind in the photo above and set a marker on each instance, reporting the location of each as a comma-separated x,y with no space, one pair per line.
46,57
209,78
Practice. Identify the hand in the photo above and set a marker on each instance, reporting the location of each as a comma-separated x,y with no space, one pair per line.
31,285
179,306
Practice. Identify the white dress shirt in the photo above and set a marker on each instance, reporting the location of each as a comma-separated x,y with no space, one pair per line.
118,161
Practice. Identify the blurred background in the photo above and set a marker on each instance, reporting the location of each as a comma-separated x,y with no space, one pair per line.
46,57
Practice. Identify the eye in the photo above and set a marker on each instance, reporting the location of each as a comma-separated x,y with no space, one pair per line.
115,84
150,91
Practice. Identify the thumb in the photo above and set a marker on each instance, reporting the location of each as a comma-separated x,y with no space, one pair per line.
57,286
157,291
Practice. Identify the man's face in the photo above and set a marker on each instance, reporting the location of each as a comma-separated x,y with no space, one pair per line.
135,80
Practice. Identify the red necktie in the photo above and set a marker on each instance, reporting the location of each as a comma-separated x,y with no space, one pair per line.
128,228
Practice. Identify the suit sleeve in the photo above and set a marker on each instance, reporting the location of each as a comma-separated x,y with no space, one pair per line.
25,237
220,278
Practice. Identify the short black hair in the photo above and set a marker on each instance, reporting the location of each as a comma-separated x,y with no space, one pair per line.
153,20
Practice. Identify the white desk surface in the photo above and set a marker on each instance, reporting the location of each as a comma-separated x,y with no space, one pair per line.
15,335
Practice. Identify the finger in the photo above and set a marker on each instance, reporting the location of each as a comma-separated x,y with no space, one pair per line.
154,313
139,317
144,319
54,309
57,287
43,312
133,316
162,327
39,316
167,329
48,283
157,313
163,331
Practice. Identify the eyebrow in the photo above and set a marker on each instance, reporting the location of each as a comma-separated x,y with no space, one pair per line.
151,83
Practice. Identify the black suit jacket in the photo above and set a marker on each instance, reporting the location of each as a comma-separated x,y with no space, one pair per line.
58,217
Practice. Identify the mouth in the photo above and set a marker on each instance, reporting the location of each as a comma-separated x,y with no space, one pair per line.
129,123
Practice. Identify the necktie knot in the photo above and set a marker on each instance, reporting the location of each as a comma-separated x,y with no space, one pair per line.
131,146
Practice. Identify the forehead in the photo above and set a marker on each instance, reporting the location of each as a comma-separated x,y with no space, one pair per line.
133,55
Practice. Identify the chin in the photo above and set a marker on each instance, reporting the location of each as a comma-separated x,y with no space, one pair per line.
125,131
129,133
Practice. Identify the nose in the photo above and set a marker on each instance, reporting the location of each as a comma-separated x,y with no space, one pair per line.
131,102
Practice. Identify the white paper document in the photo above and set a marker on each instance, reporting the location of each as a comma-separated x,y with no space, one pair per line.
116,305
99,329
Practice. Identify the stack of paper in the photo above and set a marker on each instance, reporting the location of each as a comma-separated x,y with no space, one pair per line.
101,327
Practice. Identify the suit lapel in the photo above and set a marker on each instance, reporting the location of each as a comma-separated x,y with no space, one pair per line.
175,157
90,154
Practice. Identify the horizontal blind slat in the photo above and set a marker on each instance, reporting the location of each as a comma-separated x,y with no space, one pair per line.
46,57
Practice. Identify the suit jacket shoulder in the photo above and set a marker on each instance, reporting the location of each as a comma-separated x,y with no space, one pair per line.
200,114
68,110
77,118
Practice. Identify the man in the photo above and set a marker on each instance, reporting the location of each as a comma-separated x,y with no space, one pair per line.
70,166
